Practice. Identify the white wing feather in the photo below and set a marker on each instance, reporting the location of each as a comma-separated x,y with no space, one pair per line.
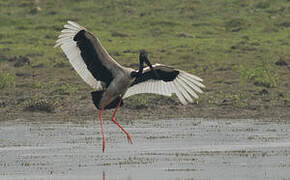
73,53
184,86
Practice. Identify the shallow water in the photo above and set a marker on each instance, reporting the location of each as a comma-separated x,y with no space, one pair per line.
162,149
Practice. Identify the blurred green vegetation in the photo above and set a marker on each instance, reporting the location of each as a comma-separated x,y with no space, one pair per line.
6,80
232,44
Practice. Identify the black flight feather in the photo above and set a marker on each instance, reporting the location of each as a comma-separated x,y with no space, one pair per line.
91,58
165,74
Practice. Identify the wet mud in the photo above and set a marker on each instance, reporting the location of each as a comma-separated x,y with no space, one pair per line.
162,149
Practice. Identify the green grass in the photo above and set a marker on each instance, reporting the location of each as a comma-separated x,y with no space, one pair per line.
66,89
7,80
231,44
260,75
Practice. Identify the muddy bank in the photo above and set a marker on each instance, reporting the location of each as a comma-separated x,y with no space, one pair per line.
160,109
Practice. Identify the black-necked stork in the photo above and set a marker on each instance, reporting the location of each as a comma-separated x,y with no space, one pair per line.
113,82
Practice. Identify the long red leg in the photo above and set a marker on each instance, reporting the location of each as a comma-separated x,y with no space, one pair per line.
104,175
114,120
101,122
102,128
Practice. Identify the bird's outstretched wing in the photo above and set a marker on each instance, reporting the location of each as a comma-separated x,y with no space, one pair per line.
86,54
170,81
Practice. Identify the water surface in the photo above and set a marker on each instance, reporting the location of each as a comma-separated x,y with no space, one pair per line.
162,149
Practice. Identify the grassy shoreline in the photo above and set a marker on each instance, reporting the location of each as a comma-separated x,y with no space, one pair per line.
240,48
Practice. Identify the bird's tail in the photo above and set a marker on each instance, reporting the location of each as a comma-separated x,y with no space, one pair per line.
97,96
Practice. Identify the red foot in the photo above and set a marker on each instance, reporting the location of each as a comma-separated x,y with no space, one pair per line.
129,138
128,135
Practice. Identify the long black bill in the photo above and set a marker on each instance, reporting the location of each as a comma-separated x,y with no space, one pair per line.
146,60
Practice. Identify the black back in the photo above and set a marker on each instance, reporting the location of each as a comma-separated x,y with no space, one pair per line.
91,58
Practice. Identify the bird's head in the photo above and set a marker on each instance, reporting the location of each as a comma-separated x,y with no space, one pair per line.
143,58
143,54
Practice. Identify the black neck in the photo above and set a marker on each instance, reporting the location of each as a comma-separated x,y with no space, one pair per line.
139,72
141,66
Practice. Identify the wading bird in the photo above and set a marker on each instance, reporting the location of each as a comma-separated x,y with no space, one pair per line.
113,82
